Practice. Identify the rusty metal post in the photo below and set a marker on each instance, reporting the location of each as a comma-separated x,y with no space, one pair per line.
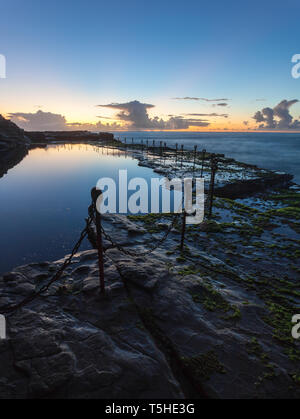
160,152
181,154
183,226
214,168
203,158
195,153
95,193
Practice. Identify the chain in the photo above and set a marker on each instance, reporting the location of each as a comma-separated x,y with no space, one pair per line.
150,250
92,210
56,277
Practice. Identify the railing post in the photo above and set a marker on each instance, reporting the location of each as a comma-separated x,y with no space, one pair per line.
203,158
214,168
195,153
95,193
183,226
181,154
176,153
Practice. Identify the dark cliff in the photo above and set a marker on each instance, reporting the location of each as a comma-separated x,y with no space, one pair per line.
13,145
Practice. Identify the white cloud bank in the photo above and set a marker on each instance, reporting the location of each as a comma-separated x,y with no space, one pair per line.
47,121
277,118
135,115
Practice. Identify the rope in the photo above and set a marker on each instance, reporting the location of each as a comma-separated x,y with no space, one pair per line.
56,277
150,250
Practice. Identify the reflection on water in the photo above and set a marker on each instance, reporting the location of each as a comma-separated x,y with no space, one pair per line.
44,199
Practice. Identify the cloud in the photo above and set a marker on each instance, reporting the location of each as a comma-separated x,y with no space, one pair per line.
47,121
223,115
135,115
221,104
278,118
214,100
186,98
39,121
98,126
130,115
200,98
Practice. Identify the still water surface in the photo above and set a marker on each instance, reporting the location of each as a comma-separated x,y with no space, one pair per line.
44,200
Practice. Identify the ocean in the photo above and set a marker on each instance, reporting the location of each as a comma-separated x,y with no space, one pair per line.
274,151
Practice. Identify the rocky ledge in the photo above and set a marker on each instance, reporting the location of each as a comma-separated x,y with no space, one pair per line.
74,343
46,137
167,327
233,179
14,145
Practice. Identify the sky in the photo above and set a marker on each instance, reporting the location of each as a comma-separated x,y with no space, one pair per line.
150,65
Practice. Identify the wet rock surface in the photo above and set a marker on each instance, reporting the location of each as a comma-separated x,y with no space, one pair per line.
233,179
165,328
74,343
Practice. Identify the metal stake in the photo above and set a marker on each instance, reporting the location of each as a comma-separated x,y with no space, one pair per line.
183,231
203,158
195,152
95,193
214,168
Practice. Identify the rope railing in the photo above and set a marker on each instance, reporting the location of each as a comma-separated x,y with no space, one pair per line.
12,308
95,217
148,251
